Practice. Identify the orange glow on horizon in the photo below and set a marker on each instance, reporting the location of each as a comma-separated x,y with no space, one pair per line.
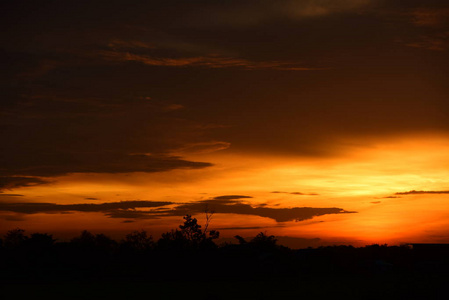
364,180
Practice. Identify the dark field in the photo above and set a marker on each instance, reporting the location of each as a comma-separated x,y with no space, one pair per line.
187,264
325,287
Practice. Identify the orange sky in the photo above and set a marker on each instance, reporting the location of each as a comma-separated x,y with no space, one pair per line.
363,180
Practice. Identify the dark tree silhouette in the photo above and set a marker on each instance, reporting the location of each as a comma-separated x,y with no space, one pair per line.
90,242
138,240
190,236
40,241
85,238
264,240
191,230
241,240
14,238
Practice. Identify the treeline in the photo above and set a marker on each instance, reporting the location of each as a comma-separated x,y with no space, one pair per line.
190,253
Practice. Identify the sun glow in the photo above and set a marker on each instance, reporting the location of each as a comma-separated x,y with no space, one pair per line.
364,180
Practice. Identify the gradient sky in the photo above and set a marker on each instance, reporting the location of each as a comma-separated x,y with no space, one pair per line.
325,121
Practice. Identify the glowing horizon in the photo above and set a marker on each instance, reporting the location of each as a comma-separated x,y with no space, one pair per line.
372,183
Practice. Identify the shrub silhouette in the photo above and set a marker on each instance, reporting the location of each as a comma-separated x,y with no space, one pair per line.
264,241
14,238
138,241
99,243
40,241
190,236
86,239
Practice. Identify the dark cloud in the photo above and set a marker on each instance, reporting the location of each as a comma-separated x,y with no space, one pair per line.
228,204
112,207
376,202
231,206
231,197
12,218
91,198
391,197
79,135
88,87
103,163
10,195
11,182
413,192
277,214
227,199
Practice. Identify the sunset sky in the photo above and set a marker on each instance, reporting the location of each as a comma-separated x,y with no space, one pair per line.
320,121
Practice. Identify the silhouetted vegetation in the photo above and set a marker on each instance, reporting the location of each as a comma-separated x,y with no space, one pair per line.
190,253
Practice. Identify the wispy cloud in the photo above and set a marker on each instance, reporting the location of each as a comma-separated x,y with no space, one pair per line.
12,182
437,42
435,22
210,61
413,192
318,8
248,14
430,17
295,193
202,148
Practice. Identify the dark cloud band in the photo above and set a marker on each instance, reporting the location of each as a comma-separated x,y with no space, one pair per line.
228,204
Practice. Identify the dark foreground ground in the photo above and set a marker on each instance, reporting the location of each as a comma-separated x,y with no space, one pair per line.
333,287
187,264
232,272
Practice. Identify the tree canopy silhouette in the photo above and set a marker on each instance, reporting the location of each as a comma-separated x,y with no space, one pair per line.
190,235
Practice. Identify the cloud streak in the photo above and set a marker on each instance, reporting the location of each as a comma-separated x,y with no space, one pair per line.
12,182
34,208
227,204
102,163
244,14
211,61
233,205
414,192
430,17
437,42
295,193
